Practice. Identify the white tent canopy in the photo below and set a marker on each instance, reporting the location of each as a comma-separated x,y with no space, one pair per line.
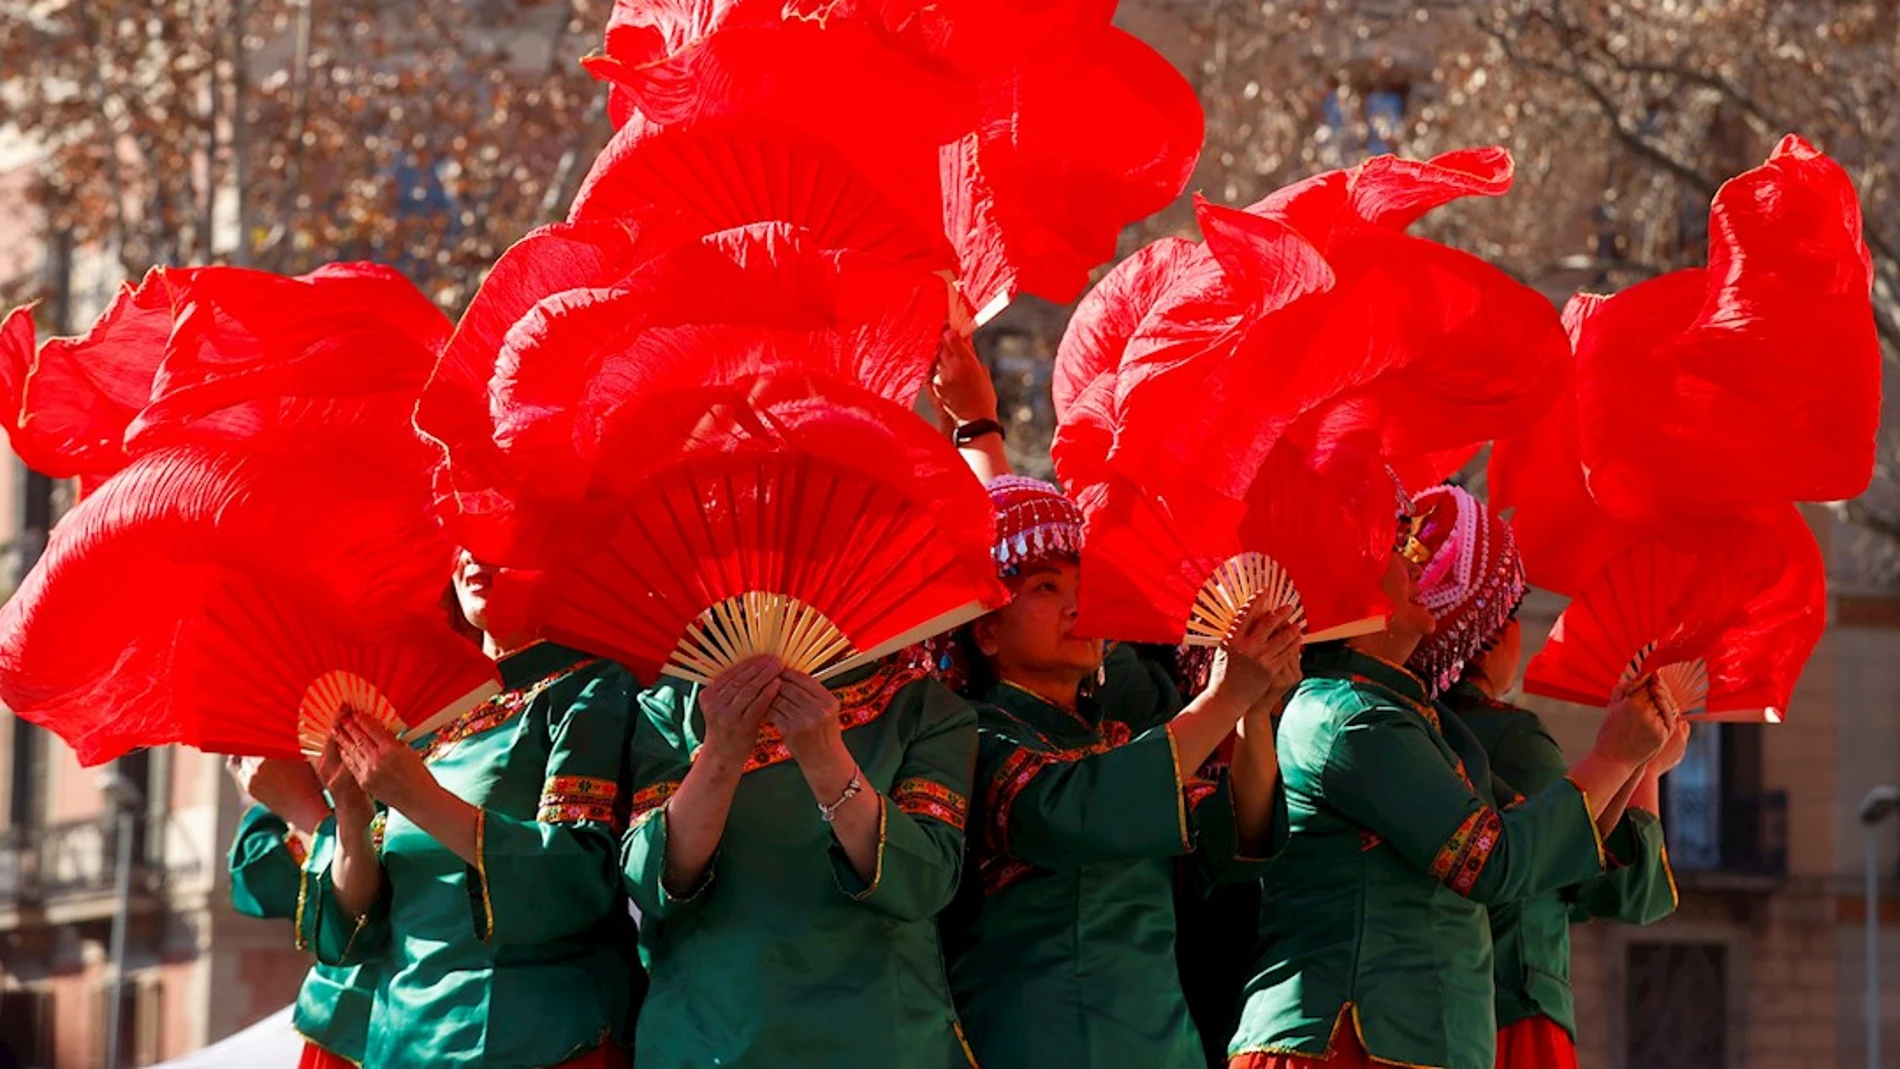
269,1044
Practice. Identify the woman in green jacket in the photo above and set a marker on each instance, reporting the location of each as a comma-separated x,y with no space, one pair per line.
1473,587
1375,945
290,825
478,873
1085,798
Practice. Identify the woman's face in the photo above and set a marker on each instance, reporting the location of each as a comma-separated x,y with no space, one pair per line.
1034,635
472,581
1410,619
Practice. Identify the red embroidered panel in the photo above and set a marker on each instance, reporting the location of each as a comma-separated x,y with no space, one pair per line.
858,704
1461,860
928,798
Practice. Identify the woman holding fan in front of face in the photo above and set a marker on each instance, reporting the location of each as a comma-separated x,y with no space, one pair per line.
1473,586
1085,799
479,871
1374,945
792,844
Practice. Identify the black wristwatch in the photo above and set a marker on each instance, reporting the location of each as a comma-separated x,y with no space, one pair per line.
976,428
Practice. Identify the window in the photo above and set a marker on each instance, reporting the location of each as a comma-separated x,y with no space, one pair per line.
1676,1006
26,1025
1355,125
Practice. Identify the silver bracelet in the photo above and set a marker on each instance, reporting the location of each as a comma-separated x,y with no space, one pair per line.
829,812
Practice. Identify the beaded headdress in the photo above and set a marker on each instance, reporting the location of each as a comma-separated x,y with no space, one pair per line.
1034,521
1472,585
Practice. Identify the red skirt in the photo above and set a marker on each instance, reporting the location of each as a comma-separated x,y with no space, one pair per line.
1535,1043
315,1057
1343,1052
605,1056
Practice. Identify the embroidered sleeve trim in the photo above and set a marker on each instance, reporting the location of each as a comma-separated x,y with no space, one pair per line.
1669,873
487,930
648,800
1461,860
927,798
294,845
1595,833
577,799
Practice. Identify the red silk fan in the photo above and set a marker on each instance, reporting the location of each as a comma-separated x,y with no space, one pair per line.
1175,563
731,172
453,409
1726,625
1037,146
274,478
1107,317
789,514
1677,376
222,601
1564,537
70,406
574,359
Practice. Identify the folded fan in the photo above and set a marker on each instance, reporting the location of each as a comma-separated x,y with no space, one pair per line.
1725,626
1678,376
1182,566
198,597
787,512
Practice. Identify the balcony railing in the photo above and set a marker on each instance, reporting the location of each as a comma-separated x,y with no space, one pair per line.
38,865
1728,834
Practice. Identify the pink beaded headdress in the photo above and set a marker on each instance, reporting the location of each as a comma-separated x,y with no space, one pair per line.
1472,584
1034,521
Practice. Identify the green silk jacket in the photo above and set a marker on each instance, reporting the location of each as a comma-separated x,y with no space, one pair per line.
1531,936
1374,914
266,882
1071,958
520,960
783,956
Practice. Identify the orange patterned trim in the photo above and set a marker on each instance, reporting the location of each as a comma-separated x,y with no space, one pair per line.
577,799
1461,860
648,800
294,845
496,711
378,827
858,705
928,798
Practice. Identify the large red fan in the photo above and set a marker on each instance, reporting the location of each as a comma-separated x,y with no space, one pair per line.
269,533
734,171
1318,313
1175,563
786,513
576,358
237,604
1034,147
1725,624
1677,377
453,409
1537,478
69,405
